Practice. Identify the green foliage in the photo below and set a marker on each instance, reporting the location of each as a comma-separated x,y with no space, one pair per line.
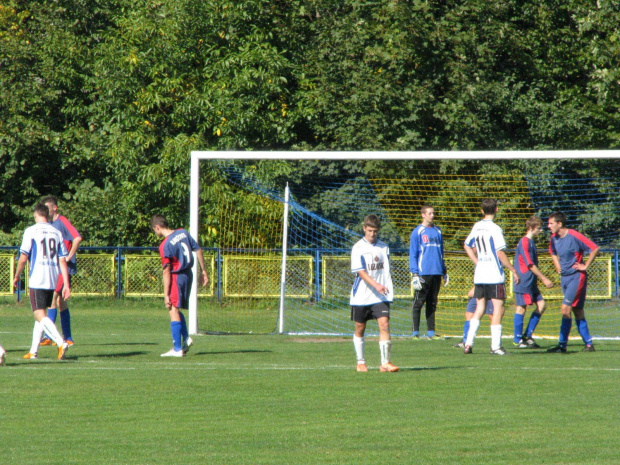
101,102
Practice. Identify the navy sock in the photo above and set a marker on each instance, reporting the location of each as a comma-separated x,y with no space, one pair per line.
51,314
582,327
565,331
518,327
531,326
175,329
65,324
184,333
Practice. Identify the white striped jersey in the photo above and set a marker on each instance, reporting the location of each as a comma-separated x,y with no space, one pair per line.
375,260
487,238
43,244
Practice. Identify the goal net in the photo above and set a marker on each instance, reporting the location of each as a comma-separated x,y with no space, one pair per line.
240,220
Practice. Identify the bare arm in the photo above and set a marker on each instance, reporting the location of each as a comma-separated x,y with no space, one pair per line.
21,264
586,265
74,247
201,262
546,281
504,259
381,289
167,283
471,252
64,270
556,263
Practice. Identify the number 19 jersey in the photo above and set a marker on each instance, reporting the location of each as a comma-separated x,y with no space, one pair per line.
43,245
487,238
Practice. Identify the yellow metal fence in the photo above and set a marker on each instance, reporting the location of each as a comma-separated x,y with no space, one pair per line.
309,276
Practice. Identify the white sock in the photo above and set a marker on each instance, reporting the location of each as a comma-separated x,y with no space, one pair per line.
50,328
496,337
358,343
473,330
385,347
37,333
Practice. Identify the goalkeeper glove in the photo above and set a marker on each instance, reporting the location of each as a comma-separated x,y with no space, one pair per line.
446,279
416,282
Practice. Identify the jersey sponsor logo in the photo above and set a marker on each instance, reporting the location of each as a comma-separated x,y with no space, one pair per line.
376,266
425,239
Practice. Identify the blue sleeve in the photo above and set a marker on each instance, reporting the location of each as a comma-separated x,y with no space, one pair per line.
443,261
192,242
414,251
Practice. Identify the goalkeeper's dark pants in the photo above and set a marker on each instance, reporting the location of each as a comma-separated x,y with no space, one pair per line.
427,295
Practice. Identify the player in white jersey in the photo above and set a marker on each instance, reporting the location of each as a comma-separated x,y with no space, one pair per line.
485,247
372,292
44,248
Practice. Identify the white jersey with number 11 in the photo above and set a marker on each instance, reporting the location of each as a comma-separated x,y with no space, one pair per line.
487,238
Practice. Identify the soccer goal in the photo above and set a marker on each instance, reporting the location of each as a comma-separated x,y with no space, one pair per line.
281,252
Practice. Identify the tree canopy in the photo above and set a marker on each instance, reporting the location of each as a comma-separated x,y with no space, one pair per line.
101,102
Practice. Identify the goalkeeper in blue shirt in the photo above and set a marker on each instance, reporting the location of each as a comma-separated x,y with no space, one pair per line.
427,267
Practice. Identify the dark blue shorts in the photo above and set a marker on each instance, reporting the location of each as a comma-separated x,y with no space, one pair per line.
180,287
574,288
523,300
473,303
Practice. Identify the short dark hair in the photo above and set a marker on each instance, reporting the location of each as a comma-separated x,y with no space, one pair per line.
489,206
425,207
159,220
373,221
559,217
50,199
41,209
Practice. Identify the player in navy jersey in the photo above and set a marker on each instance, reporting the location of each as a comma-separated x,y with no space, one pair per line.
44,248
72,240
177,261
372,293
427,267
527,292
567,248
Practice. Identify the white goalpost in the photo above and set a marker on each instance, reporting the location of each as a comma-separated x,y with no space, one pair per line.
198,156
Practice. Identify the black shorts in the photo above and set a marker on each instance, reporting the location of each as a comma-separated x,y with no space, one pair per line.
370,312
490,291
41,299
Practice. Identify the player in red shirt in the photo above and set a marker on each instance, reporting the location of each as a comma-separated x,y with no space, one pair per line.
567,248
72,240
177,261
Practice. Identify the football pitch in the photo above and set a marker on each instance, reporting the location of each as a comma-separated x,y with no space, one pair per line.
295,400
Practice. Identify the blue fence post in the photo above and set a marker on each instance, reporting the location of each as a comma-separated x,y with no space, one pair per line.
317,274
617,280
119,272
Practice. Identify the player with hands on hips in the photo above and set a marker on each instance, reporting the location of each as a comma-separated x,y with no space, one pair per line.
427,267
372,292
567,248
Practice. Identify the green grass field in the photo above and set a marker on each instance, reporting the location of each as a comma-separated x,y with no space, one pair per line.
294,400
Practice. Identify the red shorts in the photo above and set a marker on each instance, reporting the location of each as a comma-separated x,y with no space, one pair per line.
60,283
